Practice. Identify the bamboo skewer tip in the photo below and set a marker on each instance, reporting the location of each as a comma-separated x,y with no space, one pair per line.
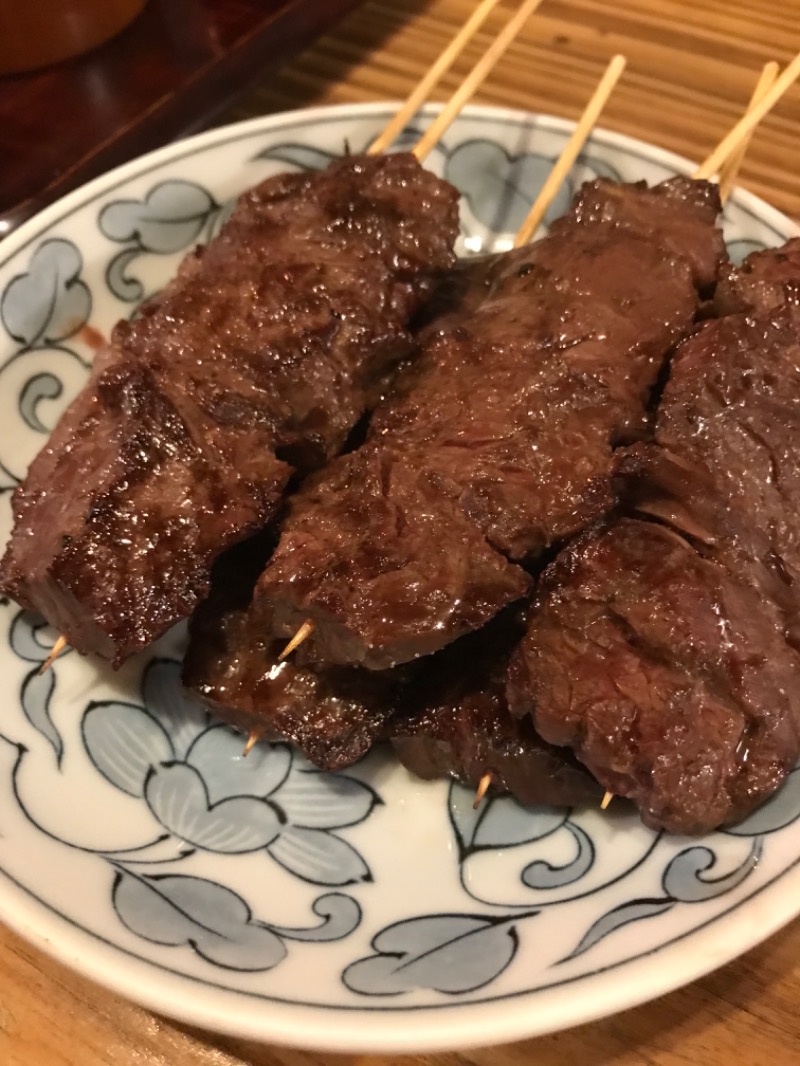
252,740
440,66
303,633
474,79
55,651
604,802
482,789
468,86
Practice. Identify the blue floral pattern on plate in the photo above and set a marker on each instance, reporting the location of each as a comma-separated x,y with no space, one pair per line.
204,882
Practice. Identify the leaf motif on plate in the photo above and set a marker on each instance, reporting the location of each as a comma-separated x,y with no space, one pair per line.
177,796
183,717
449,953
124,742
498,822
312,799
217,755
170,218
39,387
50,301
301,156
500,188
31,638
340,915
177,910
683,878
319,857
544,875
119,281
634,910
37,690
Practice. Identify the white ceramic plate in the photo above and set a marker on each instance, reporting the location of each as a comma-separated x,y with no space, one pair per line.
364,911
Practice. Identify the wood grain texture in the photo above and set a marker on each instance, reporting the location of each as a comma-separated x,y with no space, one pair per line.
692,67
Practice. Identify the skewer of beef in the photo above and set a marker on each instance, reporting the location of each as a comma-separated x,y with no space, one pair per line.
352,590
460,726
232,664
250,367
728,174
473,737
463,739
663,647
498,443
334,714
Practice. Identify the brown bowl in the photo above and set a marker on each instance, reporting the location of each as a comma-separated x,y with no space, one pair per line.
37,33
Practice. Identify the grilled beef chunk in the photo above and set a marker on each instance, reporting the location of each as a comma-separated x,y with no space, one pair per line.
420,571
446,716
732,409
658,484
334,716
455,723
500,443
674,214
665,655
258,358
763,282
667,674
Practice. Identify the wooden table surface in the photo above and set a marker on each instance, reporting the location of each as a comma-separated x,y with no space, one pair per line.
692,66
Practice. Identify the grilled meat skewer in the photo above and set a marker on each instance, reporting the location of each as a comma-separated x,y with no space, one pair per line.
254,362
666,652
499,443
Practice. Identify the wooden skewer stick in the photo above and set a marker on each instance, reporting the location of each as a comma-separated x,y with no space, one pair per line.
730,168
473,80
305,631
55,651
748,122
572,150
482,789
252,740
420,93
607,798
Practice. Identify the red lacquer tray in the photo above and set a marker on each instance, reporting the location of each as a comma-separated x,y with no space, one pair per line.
177,65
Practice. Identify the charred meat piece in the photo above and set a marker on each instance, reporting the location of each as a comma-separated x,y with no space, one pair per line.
334,716
764,281
455,722
423,570
505,427
732,410
658,484
257,359
666,655
445,717
672,212
668,676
